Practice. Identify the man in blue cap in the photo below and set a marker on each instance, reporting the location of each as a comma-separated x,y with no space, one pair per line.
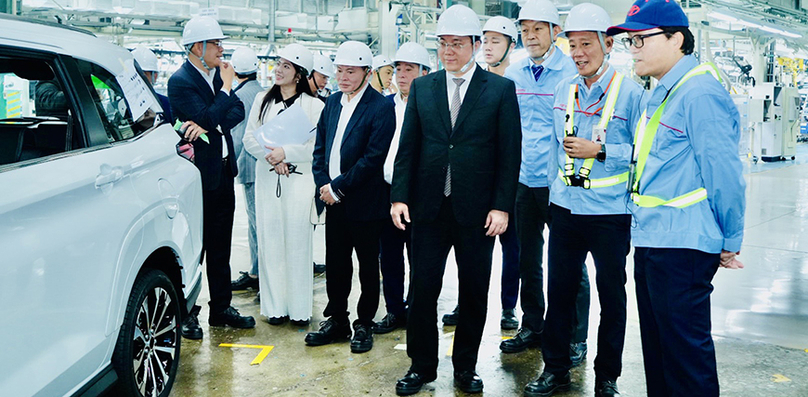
687,198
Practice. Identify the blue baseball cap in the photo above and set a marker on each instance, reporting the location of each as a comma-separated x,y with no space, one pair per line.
650,14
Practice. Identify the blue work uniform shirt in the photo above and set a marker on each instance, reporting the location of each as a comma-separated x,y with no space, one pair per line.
695,146
608,200
536,111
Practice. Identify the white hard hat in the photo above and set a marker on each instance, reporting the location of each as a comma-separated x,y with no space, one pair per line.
353,53
201,28
413,53
244,60
323,65
539,10
458,20
298,55
502,25
145,58
380,61
586,17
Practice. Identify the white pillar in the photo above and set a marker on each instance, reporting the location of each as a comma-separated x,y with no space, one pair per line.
388,31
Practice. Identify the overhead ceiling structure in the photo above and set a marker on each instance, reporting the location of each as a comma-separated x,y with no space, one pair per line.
323,24
774,19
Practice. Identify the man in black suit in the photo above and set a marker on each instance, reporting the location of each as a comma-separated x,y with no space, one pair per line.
455,173
200,97
351,145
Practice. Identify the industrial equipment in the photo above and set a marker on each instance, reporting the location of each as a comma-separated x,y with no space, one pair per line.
774,116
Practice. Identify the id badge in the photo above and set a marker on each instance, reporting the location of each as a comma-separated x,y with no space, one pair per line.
598,134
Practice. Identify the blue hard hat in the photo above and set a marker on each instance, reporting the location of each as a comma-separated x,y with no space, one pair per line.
650,14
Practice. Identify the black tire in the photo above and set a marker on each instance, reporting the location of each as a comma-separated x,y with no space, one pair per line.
147,353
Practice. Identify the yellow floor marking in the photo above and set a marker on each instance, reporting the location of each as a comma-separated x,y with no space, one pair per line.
451,347
260,357
806,350
777,378
506,337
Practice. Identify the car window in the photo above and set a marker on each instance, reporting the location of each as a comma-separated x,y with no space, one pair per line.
36,114
113,106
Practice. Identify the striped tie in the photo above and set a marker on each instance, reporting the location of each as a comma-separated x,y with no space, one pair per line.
537,69
455,110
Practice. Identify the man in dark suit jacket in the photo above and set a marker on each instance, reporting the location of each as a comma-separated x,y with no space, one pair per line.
352,143
200,97
455,173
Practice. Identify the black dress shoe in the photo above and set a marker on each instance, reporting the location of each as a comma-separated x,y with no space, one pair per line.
468,382
190,326
451,318
277,320
412,383
578,353
362,340
508,320
524,339
330,331
244,282
389,323
547,384
319,268
606,388
300,323
231,317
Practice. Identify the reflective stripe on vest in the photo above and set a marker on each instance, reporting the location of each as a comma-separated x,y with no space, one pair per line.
645,134
606,115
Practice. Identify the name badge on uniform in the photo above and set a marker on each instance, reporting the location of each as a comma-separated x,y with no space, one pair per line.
598,134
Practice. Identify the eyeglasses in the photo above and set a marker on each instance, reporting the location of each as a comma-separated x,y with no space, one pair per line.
216,43
638,40
454,46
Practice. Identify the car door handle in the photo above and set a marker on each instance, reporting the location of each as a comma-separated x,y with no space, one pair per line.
108,175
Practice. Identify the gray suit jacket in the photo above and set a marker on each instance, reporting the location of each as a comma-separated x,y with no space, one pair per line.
246,162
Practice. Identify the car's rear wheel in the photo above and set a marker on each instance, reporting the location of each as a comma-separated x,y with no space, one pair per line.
148,350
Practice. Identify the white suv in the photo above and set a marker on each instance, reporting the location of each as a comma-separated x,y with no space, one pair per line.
100,219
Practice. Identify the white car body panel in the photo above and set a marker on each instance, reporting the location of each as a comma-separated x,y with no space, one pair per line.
76,229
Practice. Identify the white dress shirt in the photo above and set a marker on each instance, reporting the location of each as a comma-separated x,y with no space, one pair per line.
451,86
209,75
389,162
348,108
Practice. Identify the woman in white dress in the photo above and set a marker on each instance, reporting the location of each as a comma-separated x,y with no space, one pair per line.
284,194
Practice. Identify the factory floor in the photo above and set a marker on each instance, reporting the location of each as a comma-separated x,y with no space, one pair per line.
760,323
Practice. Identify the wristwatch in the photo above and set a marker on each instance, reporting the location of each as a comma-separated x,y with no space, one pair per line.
601,156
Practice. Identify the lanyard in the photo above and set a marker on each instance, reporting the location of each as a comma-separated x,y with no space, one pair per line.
586,111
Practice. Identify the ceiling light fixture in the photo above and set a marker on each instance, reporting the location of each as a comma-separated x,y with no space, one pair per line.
731,19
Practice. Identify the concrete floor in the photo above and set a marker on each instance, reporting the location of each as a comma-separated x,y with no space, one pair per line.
760,317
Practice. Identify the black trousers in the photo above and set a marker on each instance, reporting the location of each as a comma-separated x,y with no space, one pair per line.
431,243
342,236
510,267
572,237
391,246
532,213
673,299
219,206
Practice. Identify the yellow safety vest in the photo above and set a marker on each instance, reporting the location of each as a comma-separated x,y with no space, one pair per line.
582,178
644,136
